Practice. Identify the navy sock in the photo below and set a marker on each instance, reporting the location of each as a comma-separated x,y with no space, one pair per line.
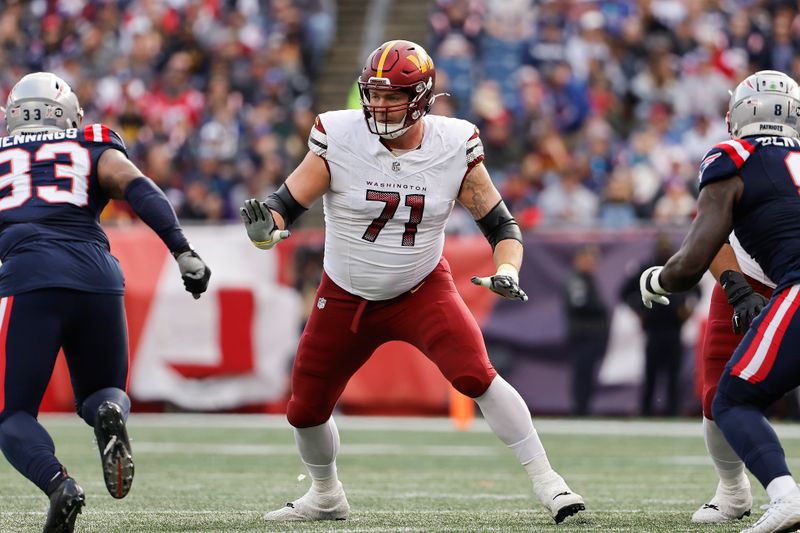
29,449
90,405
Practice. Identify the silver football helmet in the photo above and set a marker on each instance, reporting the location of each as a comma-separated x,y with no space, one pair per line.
42,102
765,103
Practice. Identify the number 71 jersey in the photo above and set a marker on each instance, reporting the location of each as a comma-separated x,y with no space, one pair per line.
385,213
50,204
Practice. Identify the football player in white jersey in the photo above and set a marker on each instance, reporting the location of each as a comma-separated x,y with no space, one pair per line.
389,185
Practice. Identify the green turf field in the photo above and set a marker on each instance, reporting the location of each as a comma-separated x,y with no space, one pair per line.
220,473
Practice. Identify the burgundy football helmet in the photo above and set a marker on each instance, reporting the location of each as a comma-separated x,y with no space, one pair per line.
400,66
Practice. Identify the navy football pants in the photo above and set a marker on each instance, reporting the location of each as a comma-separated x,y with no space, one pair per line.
765,366
91,329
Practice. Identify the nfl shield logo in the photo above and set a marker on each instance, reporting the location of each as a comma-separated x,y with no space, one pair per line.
396,166
321,303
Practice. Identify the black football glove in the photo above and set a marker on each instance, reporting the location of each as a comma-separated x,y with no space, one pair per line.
194,272
747,303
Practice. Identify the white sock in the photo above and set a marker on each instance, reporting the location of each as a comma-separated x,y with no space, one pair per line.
508,416
318,446
729,467
781,486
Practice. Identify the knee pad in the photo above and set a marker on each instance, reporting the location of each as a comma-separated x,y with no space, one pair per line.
472,386
302,416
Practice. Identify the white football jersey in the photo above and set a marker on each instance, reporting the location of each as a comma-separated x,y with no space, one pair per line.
385,213
746,262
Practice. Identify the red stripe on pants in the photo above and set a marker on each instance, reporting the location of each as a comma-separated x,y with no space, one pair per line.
775,345
3,336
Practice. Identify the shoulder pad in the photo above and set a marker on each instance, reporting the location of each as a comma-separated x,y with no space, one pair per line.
474,149
100,133
318,138
725,160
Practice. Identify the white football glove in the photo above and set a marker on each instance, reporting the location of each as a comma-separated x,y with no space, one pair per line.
260,225
651,289
505,282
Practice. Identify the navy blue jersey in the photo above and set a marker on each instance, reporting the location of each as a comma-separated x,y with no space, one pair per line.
50,204
767,217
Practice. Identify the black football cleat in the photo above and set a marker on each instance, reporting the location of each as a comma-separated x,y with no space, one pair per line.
65,504
115,449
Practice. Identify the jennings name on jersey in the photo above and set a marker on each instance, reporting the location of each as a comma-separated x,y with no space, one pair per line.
766,220
385,213
50,203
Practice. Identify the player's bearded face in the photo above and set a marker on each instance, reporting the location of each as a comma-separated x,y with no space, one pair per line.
388,107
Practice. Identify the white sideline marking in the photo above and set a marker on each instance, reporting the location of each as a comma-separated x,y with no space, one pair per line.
555,426
699,460
171,448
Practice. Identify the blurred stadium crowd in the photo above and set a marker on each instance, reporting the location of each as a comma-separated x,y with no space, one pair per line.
591,112
214,98
601,111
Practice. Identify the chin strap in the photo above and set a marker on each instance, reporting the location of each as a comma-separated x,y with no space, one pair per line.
434,97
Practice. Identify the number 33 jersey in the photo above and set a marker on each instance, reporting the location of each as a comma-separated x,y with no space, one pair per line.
50,203
385,212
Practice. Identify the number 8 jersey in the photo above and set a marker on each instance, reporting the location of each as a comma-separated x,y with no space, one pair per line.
385,212
50,203
766,219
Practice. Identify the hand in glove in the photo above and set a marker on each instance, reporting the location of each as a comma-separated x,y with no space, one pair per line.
747,303
651,289
194,272
505,282
260,225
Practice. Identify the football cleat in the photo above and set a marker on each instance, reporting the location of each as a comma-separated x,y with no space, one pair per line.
782,515
115,449
314,506
727,504
557,497
65,504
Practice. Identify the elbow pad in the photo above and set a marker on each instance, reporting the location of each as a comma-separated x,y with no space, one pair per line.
498,225
282,201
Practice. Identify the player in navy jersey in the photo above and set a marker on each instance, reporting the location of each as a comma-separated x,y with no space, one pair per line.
60,286
751,185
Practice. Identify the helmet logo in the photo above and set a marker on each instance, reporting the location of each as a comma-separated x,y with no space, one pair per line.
422,61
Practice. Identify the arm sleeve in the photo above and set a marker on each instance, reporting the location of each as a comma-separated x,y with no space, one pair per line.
152,206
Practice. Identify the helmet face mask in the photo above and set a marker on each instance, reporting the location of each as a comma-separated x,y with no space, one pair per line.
42,102
765,103
400,66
